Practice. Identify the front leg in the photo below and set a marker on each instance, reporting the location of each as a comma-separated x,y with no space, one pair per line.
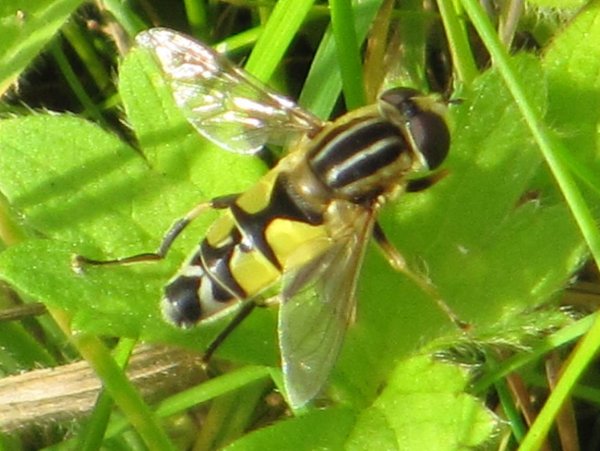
79,261
398,262
421,184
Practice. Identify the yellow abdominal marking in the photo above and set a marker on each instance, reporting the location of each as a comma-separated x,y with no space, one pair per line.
219,231
296,243
258,197
252,271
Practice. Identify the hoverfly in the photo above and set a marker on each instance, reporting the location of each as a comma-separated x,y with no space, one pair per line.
298,236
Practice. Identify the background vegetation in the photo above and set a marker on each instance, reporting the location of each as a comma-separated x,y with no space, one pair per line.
96,159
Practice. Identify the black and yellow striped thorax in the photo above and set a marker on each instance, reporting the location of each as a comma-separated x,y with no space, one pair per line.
361,158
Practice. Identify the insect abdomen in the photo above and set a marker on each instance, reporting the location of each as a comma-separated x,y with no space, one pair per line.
245,252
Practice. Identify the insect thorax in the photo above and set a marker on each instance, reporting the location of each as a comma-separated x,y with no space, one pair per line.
359,157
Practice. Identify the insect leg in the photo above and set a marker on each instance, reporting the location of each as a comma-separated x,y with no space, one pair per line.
240,316
421,184
176,228
398,262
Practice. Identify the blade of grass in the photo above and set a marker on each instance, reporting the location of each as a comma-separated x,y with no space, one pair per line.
323,82
91,110
581,357
283,24
93,433
81,43
348,53
125,16
458,43
121,390
565,335
512,413
239,41
197,16
199,394
228,418
588,393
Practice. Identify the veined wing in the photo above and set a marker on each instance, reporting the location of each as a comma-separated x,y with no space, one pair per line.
318,303
223,102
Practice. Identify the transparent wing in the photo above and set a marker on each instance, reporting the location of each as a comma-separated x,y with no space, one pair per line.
318,303
223,102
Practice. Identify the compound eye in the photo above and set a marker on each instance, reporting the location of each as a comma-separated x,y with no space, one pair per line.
419,117
430,136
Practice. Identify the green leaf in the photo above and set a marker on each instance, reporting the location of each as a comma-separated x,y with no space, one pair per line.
26,27
71,180
572,62
320,429
424,403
